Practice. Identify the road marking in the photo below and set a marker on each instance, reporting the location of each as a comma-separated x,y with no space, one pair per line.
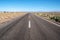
29,24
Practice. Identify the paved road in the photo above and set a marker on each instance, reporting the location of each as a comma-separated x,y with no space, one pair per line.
39,29
18,30
43,30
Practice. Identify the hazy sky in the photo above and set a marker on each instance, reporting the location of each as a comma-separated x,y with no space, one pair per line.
29,5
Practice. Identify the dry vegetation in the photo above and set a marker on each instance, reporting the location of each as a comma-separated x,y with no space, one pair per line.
50,15
6,16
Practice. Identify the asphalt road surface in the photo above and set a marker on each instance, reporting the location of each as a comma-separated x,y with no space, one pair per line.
30,27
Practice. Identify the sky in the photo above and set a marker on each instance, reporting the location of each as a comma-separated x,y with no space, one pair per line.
30,5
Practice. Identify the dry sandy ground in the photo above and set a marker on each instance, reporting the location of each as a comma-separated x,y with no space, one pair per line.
9,15
47,15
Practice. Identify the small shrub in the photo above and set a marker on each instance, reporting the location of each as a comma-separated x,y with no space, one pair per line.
56,18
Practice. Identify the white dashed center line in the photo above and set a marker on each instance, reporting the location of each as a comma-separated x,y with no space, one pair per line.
29,24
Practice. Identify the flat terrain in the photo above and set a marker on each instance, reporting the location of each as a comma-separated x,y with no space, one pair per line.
48,14
39,29
51,16
6,16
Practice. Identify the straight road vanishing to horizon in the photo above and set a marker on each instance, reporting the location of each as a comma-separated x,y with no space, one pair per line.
30,27
29,19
